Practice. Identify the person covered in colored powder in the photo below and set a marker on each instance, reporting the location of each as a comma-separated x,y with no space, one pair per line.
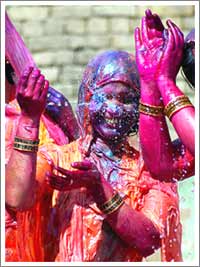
105,207
159,55
53,126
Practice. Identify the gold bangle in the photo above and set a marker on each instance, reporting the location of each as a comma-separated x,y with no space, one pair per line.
112,204
177,104
25,147
26,141
109,202
150,109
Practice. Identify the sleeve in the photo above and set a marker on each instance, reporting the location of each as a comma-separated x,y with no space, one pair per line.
161,206
35,241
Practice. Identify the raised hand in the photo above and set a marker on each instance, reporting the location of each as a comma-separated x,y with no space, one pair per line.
60,110
153,31
149,44
55,102
31,93
86,175
172,53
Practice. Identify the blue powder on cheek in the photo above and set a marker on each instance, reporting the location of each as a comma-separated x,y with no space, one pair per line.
98,100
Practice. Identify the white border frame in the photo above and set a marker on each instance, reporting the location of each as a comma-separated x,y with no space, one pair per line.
113,3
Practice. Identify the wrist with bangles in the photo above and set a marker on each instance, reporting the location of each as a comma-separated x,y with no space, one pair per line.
176,104
27,145
112,205
151,110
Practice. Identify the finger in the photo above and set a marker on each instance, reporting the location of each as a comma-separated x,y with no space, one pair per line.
52,98
174,33
62,170
83,165
170,42
54,93
23,80
59,183
32,81
138,41
177,43
55,178
158,23
179,36
148,13
145,36
176,26
154,22
38,87
53,185
44,91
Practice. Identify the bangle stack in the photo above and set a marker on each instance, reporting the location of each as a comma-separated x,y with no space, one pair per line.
177,104
150,109
26,144
112,204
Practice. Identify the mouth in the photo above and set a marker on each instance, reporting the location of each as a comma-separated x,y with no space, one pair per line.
112,121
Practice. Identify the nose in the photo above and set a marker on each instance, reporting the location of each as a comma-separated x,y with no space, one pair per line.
114,108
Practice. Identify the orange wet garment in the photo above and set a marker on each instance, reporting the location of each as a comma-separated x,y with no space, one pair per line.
46,128
49,132
81,231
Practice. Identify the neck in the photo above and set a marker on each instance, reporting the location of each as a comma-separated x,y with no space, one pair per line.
118,147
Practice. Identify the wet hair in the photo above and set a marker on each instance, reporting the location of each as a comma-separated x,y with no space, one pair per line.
188,63
9,72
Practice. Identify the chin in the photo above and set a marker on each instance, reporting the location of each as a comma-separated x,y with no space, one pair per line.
110,135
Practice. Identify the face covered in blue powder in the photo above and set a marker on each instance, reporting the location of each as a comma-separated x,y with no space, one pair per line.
109,96
113,111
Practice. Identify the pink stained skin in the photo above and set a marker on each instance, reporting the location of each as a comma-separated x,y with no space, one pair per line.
156,49
31,95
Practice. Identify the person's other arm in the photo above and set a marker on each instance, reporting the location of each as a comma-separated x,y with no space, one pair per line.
21,184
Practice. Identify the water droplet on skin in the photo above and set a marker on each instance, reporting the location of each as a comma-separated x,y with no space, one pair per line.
162,236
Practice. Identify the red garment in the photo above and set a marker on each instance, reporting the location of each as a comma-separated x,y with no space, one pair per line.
81,233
